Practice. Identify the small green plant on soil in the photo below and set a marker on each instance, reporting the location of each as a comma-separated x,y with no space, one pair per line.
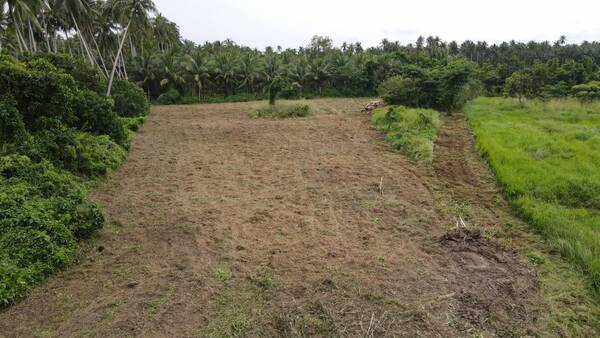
283,110
222,275
546,155
413,131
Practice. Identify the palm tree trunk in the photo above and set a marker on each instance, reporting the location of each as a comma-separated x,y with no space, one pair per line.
18,28
124,66
112,74
20,41
105,73
67,42
46,35
82,41
132,47
31,37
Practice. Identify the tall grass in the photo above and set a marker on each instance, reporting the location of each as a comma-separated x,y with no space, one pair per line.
546,155
412,131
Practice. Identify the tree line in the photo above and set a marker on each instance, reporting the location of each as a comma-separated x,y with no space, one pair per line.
129,39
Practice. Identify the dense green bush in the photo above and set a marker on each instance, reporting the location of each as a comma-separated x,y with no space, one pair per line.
132,123
97,155
94,114
11,123
40,90
86,76
400,90
445,88
43,212
130,99
57,134
172,96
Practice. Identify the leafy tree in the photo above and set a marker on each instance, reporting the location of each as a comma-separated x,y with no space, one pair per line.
520,85
587,92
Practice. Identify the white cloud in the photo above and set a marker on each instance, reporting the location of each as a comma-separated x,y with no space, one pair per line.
261,23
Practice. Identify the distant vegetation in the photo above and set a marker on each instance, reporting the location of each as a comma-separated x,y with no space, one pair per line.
546,155
413,131
58,134
129,40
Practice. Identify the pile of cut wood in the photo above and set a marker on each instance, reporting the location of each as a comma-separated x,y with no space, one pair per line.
372,106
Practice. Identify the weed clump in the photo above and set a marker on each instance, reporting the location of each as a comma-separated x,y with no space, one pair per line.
283,110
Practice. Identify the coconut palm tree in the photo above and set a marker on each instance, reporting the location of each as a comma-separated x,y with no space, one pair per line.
198,68
169,69
133,12
225,71
320,71
250,70
76,11
17,9
3,24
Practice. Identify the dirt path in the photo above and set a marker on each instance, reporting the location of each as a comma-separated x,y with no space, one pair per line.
225,225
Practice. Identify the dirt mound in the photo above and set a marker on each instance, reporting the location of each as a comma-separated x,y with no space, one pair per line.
495,291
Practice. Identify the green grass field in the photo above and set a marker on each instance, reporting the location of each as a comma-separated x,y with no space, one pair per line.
546,155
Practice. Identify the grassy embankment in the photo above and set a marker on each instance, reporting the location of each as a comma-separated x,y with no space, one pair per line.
412,131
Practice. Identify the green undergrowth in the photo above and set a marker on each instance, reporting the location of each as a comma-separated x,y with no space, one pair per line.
283,110
546,156
59,136
412,131
173,97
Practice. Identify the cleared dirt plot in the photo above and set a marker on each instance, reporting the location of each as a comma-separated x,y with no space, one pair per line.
227,225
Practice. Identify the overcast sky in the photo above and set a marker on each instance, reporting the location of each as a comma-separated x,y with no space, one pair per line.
288,23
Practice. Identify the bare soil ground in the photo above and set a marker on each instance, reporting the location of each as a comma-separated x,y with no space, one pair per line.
223,225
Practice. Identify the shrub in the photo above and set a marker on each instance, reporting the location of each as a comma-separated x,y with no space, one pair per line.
132,123
94,114
11,124
40,91
281,110
445,88
85,75
130,99
97,155
172,96
80,153
56,143
43,212
56,133
400,90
